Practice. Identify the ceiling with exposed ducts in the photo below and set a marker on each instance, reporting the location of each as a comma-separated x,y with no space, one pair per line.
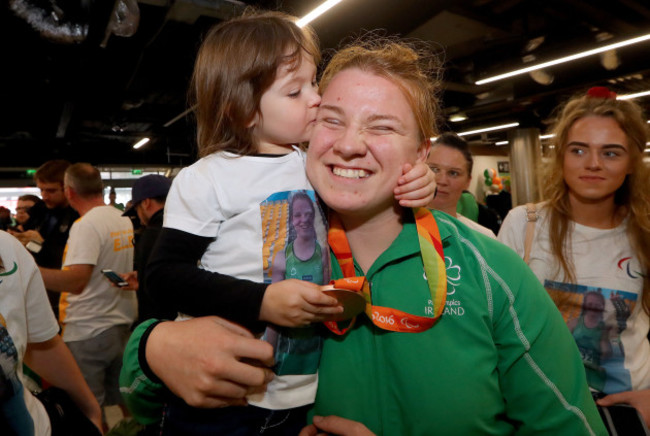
72,89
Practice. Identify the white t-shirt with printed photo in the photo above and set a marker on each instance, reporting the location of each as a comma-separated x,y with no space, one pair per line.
603,309
242,202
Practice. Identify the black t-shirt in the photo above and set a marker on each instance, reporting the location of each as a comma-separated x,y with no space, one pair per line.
54,226
148,306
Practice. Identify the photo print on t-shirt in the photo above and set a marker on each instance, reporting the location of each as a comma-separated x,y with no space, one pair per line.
295,238
597,317
295,247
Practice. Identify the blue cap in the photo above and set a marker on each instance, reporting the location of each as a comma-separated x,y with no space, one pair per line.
150,186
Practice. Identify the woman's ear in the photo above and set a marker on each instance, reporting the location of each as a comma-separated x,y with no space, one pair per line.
423,151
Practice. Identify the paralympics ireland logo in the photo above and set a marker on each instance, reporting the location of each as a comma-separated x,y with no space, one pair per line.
453,275
452,305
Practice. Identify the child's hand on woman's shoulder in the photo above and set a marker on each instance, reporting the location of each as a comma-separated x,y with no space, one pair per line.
416,187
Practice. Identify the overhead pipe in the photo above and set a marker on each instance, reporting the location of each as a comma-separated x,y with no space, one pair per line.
55,23
75,23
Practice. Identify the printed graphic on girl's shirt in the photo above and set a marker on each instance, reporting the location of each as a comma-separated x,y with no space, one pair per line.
14,415
295,247
597,317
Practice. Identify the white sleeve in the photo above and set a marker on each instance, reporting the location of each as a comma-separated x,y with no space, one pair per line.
41,324
84,244
193,203
513,230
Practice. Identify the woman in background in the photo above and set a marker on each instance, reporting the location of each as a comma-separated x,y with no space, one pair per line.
452,162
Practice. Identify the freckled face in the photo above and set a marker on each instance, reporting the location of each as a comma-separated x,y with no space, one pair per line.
366,132
596,159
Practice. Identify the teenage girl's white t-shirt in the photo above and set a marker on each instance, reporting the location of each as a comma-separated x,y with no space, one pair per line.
603,309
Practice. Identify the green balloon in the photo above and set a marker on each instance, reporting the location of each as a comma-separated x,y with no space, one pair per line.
486,173
488,181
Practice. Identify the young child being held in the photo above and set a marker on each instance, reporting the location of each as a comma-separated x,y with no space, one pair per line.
227,216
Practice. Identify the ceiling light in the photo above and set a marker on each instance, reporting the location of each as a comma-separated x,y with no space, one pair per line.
457,118
542,77
630,96
564,59
140,143
610,60
546,136
502,143
324,7
534,43
603,36
488,129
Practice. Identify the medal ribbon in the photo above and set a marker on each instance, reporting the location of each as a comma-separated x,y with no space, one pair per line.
388,318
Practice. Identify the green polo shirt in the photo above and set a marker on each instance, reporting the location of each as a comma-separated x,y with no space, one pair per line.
500,360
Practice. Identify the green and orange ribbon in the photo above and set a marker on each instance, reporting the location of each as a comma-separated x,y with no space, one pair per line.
388,318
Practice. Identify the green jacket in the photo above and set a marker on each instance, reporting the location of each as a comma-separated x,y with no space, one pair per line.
500,360
142,392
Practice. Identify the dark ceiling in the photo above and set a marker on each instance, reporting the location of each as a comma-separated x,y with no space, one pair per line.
69,91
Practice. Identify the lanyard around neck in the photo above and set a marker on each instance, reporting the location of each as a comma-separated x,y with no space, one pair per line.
385,317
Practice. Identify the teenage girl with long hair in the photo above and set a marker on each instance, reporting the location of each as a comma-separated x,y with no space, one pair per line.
592,235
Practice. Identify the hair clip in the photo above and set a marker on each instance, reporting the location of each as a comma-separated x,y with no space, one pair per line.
601,92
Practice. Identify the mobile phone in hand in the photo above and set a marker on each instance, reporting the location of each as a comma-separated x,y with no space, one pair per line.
115,278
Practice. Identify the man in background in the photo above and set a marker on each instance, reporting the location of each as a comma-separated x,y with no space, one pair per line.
96,317
148,202
50,221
